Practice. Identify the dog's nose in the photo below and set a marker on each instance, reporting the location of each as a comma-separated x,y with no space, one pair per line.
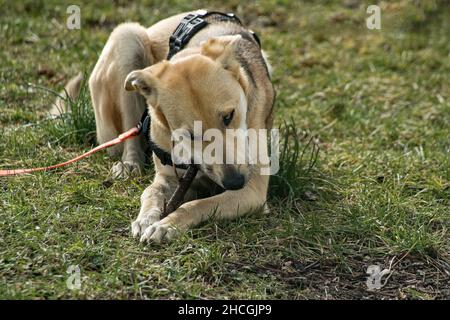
234,182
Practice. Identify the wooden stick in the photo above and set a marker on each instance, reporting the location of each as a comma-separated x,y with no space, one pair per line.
183,186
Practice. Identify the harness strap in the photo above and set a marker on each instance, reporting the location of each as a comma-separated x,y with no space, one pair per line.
164,156
190,25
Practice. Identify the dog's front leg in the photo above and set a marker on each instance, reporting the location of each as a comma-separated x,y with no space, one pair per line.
152,202
227,205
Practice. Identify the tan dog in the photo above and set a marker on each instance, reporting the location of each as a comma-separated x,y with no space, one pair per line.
221,78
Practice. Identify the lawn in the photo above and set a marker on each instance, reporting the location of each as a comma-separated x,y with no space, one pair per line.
365,176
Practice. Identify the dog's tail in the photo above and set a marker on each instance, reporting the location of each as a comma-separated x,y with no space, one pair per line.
71,90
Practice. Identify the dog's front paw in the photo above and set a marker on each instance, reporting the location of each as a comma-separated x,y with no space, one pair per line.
125,170
160,231
143,221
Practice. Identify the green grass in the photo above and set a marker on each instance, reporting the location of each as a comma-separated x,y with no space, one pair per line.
77,123
375,103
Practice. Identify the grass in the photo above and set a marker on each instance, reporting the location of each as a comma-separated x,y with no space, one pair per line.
375,103
77,124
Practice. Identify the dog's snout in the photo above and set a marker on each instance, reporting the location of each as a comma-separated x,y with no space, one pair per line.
234,181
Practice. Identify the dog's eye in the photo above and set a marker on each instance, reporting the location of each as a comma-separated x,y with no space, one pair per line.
228,118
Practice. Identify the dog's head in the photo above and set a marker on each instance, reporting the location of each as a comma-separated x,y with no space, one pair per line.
208,86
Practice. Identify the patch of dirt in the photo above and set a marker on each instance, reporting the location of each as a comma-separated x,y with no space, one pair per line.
411,277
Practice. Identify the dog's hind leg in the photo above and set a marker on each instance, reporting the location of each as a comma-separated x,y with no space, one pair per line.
116,110
71,90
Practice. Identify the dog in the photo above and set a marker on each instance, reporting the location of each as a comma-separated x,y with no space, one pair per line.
221,78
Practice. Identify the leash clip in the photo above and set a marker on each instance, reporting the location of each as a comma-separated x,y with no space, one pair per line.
143,125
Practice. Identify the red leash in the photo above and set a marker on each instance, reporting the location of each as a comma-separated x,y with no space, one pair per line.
121,138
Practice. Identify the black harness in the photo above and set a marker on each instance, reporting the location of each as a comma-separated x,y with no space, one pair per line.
188,27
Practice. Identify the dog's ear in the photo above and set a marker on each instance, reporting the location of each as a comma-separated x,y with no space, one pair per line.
146,81
140,81
223,50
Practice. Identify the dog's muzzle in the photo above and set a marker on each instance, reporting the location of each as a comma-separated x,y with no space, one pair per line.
232,179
